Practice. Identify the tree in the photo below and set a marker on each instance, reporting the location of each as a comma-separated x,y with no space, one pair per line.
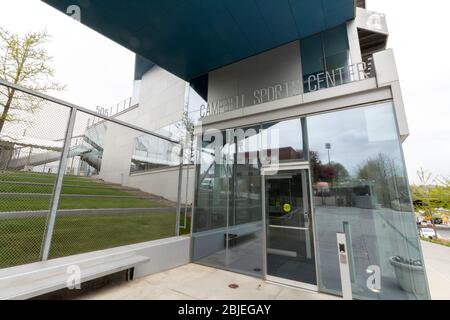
24,61
187,125
431,194
333,172
389,183
443,191
341,171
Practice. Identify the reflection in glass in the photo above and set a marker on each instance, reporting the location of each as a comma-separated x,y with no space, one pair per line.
285,200
228,219
228,215
87,149
151,153
212,201
361,188
283,141
245,220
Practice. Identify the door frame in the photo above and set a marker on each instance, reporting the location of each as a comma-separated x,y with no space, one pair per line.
267,171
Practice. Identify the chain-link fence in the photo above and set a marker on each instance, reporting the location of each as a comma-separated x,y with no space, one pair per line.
65,185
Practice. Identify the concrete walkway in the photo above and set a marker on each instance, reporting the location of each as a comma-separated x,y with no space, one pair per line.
437,263
195,282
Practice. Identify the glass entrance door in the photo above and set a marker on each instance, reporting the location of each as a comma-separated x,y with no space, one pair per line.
290,242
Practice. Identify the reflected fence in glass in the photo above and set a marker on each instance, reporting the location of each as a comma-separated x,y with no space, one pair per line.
65,186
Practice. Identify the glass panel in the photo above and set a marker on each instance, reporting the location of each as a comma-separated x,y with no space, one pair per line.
291,255
282,141
360,187
313,61
229,186
213,198
245,222
151,153
335,43
290,250
325,59
286,195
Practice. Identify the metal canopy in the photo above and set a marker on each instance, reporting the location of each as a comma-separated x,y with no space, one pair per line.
192,37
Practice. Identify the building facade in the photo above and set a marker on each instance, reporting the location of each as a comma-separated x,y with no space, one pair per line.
295,128
301,143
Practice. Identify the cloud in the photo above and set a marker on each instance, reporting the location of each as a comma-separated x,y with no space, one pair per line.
97,71
418,33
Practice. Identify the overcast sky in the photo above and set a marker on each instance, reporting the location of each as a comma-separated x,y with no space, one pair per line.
99,72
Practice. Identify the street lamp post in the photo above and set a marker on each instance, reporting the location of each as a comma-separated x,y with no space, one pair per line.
328,147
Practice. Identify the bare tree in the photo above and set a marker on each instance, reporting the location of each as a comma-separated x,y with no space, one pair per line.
24,61
422,194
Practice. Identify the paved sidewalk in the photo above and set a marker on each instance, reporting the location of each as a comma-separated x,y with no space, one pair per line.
195,282
192,282
437,263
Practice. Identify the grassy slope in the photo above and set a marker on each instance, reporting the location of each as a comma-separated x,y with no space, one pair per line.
33,203
21,238
80,234
15,188
43,178
43,203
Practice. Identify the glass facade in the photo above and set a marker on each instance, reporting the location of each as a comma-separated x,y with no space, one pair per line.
289,148
325,59
153,153
228,222
358,187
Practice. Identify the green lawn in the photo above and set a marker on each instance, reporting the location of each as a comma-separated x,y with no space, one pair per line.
82,182
22,176
37,203
19,188
34,203
20,239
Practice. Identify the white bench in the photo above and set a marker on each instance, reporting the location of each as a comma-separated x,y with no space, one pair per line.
36,279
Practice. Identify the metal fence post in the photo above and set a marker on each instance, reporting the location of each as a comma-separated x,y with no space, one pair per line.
186,197
50,225
180,183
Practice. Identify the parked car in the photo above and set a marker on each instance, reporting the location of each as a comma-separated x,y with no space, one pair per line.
428,233
435,219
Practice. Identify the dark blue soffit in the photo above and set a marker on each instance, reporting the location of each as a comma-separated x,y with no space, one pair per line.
141,66
192,37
